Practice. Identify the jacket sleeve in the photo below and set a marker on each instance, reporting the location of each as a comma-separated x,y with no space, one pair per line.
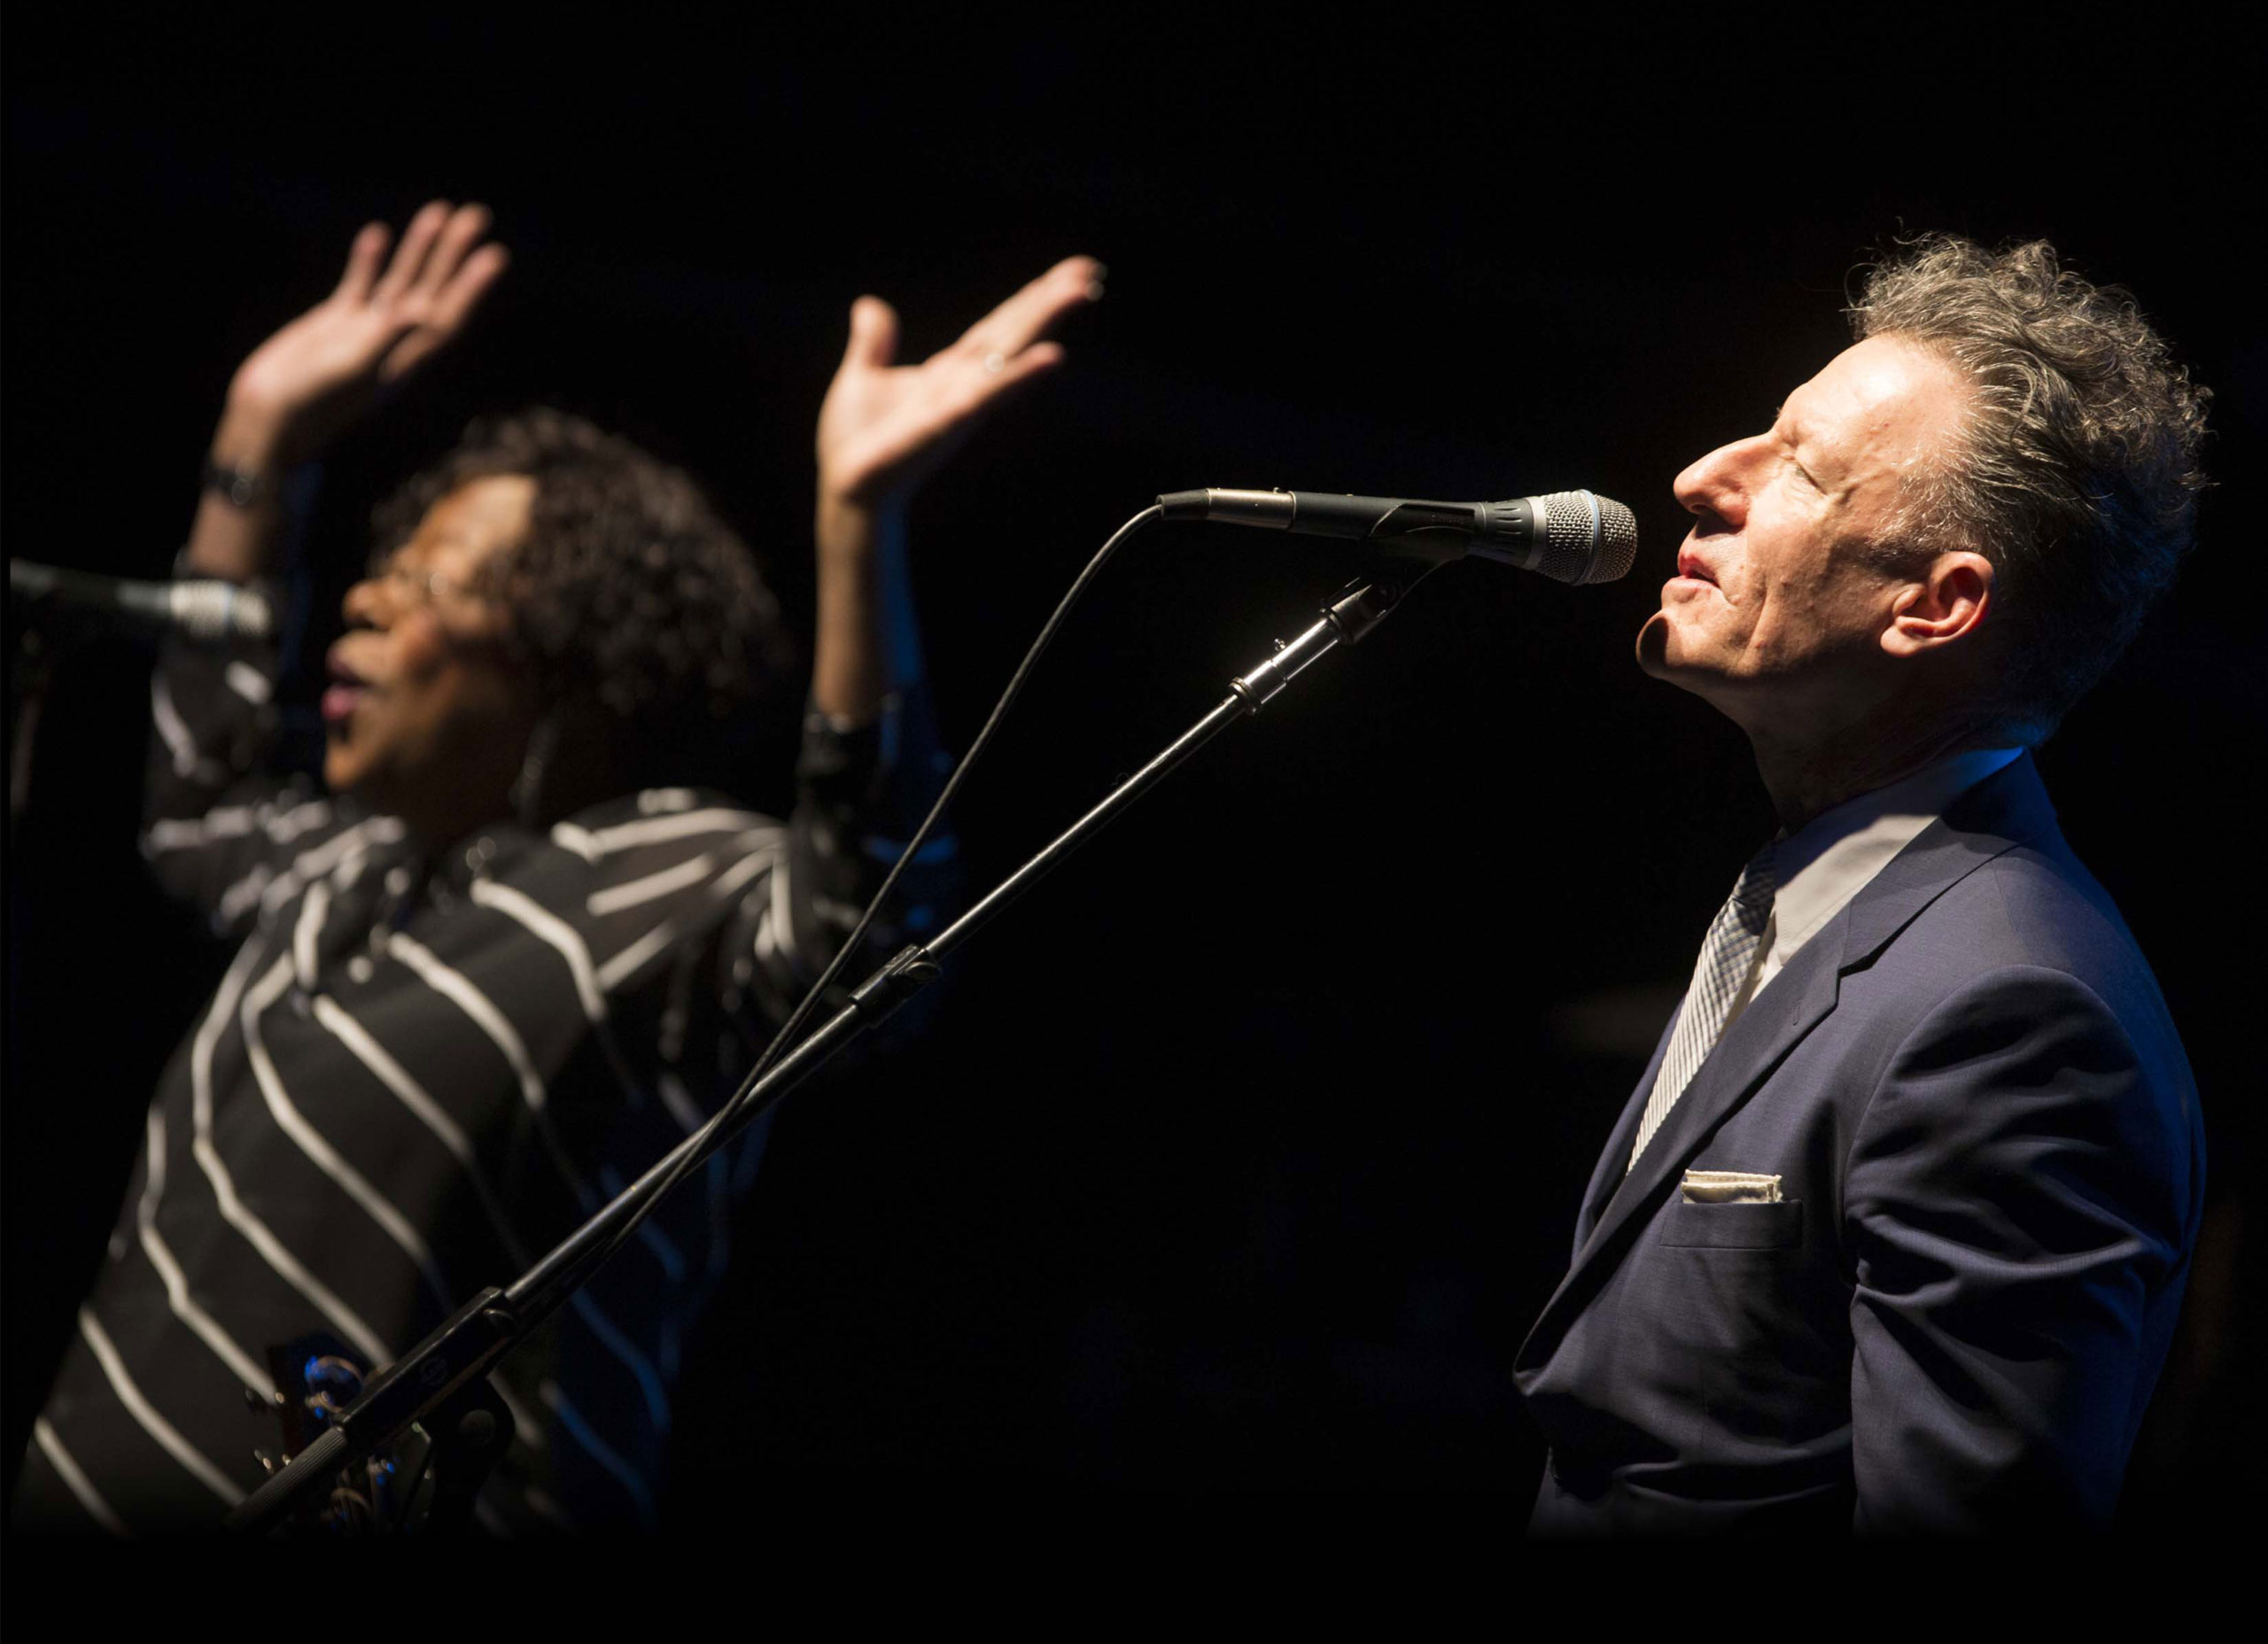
860,794
2014,1199
218,826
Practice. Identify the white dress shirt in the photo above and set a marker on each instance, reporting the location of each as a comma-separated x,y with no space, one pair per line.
1830,860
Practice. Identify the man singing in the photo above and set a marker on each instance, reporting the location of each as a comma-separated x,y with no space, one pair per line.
509,958
1893,1231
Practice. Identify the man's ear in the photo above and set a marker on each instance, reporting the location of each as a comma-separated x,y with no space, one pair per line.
1949,604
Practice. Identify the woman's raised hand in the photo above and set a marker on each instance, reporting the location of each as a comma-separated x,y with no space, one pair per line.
885,426
301,387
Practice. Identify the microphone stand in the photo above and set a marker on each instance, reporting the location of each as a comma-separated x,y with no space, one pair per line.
440,1385
31,666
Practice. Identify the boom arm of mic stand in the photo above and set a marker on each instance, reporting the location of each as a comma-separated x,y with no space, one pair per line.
478,1335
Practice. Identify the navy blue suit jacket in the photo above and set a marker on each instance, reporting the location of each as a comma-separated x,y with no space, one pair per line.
1992,1170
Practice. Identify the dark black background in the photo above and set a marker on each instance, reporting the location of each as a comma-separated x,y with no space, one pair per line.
1243,1154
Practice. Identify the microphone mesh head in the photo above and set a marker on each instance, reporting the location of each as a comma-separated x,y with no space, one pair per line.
220,610
1585,537
1618,542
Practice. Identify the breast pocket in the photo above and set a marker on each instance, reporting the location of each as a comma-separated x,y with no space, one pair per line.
1734,1226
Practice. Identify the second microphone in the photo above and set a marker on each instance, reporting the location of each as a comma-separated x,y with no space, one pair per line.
1570,536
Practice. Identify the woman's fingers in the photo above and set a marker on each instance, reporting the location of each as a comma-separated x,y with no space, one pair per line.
409,257
882,428
362,260
873,344
449,309
467,286
1002,372
1071,284
460,233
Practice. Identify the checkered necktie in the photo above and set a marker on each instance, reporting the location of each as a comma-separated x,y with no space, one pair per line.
1735,940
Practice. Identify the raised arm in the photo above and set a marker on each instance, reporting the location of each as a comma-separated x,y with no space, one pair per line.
220,827
883,429
302,387
871,763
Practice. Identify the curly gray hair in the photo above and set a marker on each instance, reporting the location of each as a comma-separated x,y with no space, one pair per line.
2074,471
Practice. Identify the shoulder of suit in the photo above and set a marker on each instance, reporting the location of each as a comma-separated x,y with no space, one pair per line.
2032,906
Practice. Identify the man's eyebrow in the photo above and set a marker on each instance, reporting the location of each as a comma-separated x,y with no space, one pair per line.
1794,440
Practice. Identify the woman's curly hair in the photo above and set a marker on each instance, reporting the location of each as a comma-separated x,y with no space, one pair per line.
629,596
2074,471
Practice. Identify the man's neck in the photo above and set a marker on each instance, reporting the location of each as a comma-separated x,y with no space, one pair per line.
1807,774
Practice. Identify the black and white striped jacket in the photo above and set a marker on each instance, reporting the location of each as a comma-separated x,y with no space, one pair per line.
417,1075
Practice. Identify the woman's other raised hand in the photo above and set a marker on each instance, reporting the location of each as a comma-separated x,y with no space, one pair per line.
303,386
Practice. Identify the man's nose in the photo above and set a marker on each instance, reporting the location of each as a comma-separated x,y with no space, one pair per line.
1716,484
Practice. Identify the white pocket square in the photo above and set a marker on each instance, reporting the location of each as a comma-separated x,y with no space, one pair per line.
1728,1187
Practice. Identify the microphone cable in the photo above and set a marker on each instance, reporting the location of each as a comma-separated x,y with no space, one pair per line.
784,1040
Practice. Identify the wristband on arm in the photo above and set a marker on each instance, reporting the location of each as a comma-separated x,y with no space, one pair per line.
237,487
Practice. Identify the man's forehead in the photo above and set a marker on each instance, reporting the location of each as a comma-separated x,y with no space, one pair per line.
1884,387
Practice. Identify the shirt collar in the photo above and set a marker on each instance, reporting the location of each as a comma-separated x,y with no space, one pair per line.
1831,858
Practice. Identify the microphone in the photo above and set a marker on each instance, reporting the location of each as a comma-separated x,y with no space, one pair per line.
1570,536
206,610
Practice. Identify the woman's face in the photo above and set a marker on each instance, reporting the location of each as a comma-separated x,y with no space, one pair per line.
426,716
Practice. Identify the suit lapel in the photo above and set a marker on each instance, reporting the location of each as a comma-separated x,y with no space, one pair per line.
1794,1003
1607,1174
2007,809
